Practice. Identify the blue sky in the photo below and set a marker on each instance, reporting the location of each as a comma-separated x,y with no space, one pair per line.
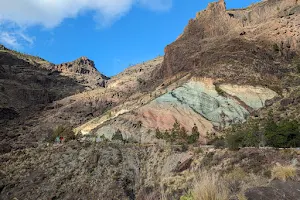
113,33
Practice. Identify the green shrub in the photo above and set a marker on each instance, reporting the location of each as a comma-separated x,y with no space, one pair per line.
298,67
178,135
187,196
194,137
158,134
276,47
284,134
219,90
234,141
254,133
218,142
118,136
63,131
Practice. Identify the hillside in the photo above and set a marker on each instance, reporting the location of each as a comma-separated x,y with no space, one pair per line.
215,77
165,128
30,85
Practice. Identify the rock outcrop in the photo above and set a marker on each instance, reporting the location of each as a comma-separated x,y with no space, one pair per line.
247,46
84,70
197,102
82,65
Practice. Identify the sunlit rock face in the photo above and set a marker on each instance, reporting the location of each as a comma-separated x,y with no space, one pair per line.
255,97
196,102
204,100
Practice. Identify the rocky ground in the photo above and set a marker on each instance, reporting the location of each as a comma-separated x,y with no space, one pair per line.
131,171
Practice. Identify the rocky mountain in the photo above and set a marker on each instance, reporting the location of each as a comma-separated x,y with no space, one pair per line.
224,68
227,69
84,71
30,85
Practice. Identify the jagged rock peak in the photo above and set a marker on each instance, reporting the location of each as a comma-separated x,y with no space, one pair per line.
82,65
85,61
217,7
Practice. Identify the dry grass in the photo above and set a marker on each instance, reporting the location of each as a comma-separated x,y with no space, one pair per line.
283,172
209,186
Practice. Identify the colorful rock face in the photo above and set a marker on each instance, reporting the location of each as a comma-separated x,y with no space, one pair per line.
203,99
197,102
255,97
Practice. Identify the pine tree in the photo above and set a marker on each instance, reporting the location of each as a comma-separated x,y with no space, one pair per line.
118,135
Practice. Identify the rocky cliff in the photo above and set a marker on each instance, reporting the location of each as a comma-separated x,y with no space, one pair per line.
84,70
252,45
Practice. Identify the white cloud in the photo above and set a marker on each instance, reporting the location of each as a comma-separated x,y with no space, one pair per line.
50,13
9,39
15,40
14,36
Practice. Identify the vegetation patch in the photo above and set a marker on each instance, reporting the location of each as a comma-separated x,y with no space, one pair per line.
65,132
209,186
283,173
257,133
179,135
118,136
276,47
219,90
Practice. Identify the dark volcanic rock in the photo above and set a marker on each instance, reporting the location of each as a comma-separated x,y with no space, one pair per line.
277,190
8,114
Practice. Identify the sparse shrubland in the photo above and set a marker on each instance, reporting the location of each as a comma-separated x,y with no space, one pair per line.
209,185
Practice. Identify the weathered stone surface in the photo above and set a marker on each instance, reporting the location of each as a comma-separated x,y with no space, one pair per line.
277,190
204,99
255,97
196,102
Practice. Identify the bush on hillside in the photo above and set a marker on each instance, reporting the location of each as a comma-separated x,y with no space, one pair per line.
298,67
63,131
219,90
283,173
282,134
118,136
193,138
276,47
178,135
246,135
210,187
187,196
